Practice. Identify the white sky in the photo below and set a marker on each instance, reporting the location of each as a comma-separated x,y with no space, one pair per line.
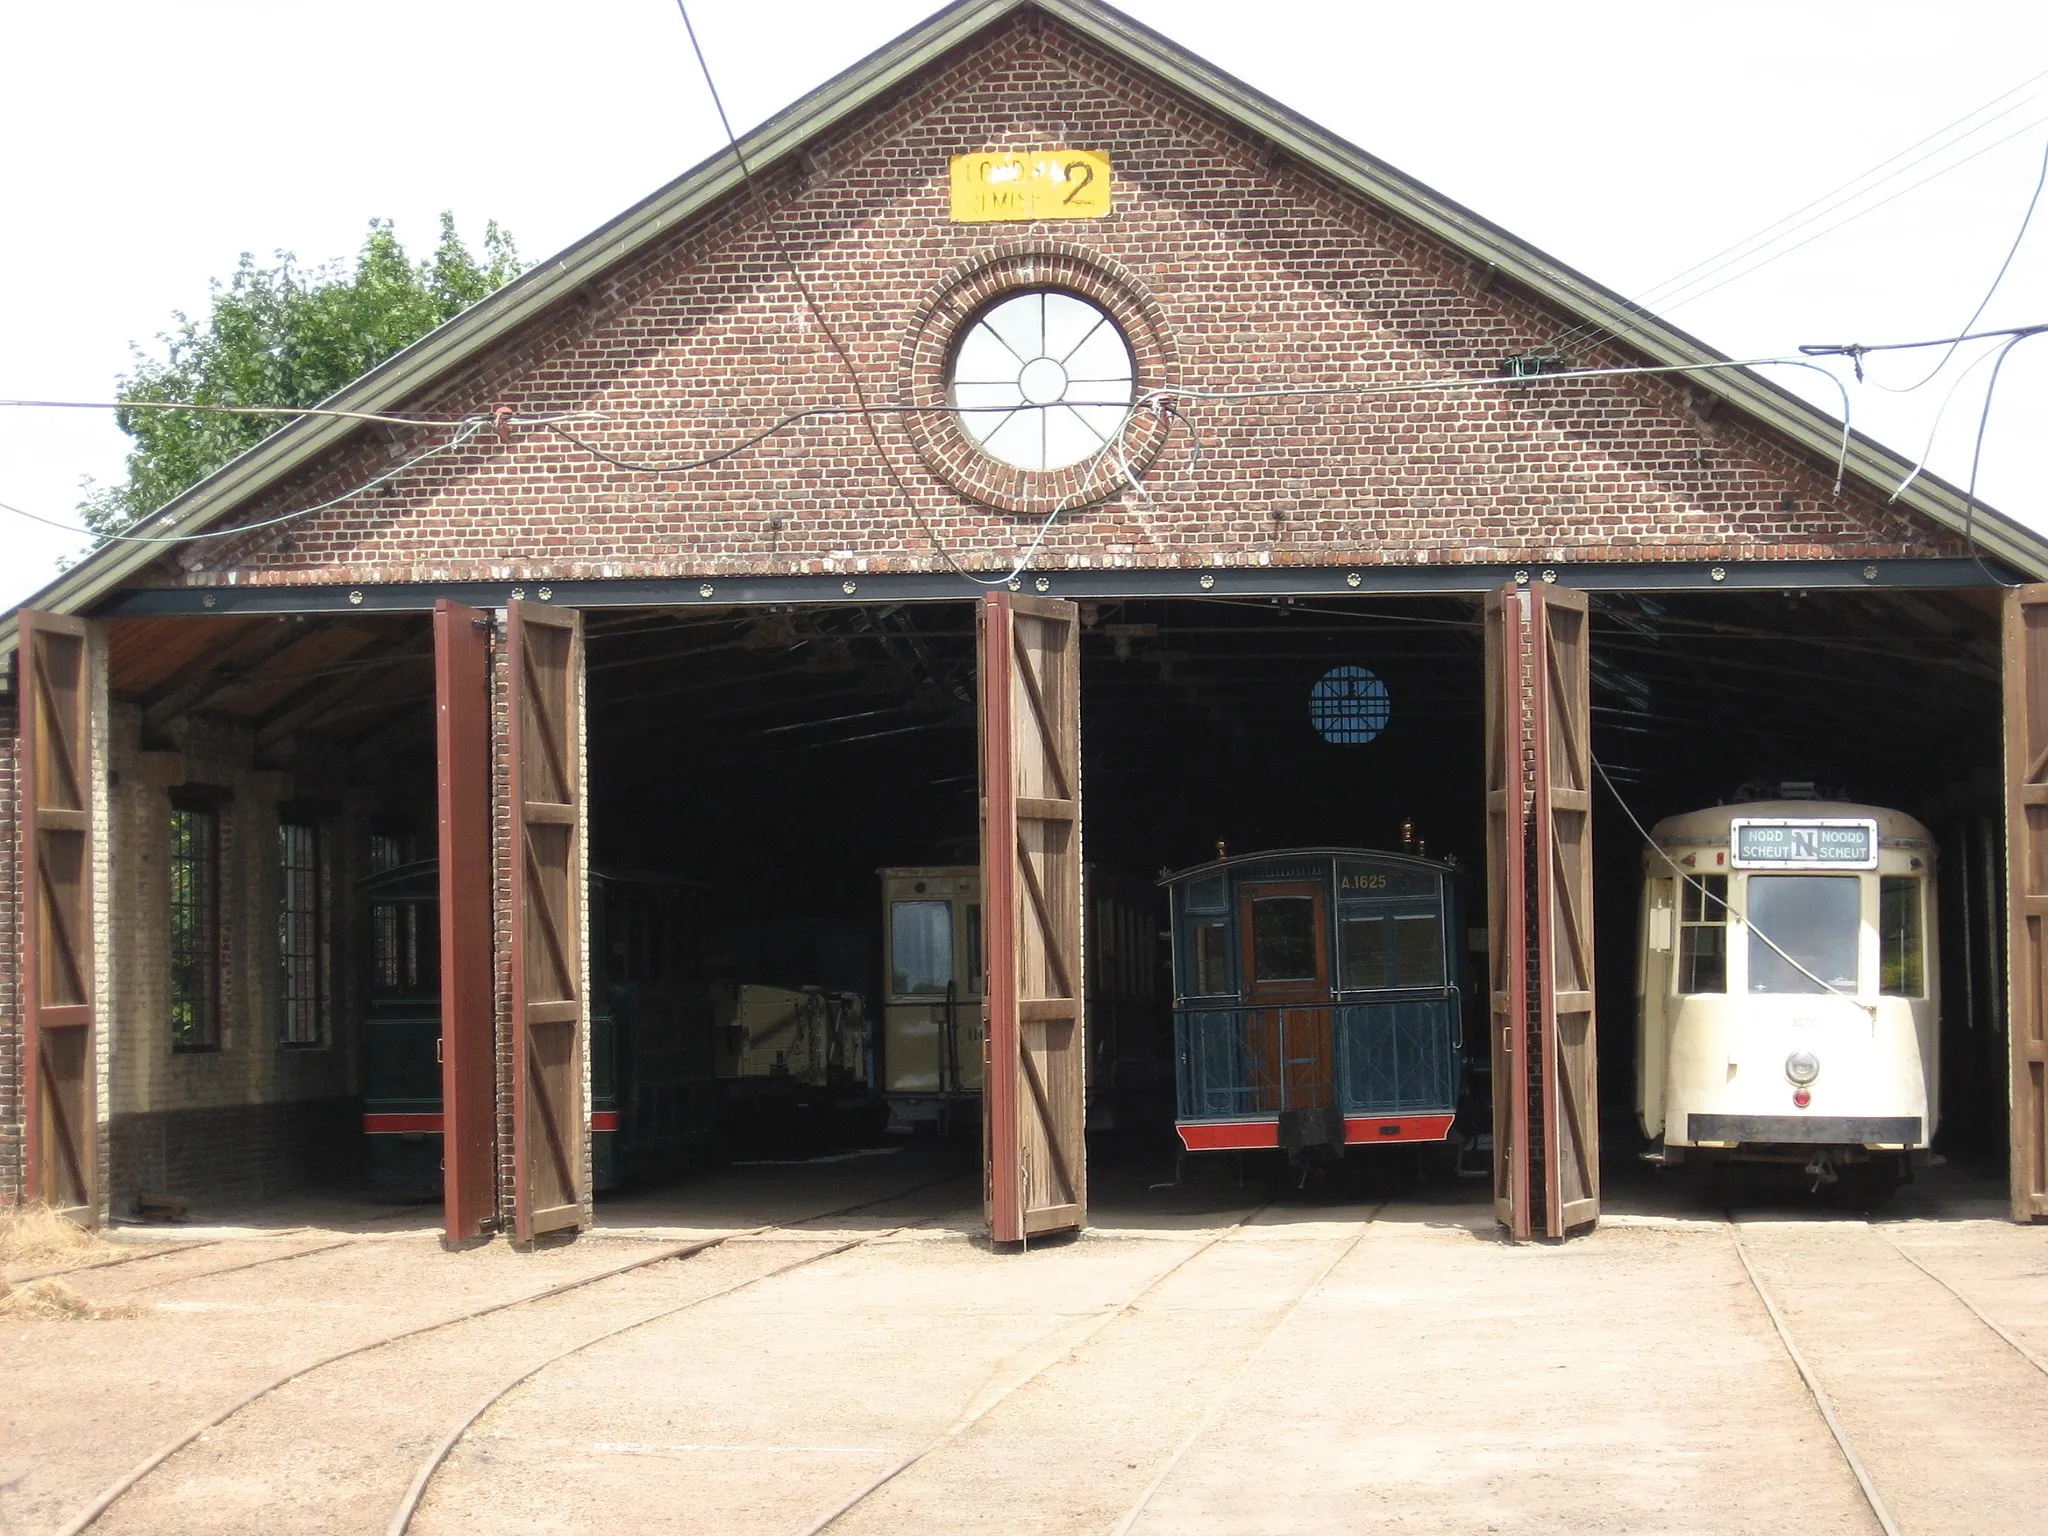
149,144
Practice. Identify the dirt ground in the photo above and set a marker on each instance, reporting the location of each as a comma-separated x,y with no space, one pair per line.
1207,1358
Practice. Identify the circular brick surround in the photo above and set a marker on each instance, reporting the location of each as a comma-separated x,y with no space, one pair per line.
946,447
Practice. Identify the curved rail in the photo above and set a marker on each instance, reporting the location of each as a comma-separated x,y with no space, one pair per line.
1871,1496
983,1405
133,1258
107,1496
401,1521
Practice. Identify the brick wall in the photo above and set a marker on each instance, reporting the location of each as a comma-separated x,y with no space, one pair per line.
1257,273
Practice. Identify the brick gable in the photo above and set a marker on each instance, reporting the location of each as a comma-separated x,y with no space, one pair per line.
1261,274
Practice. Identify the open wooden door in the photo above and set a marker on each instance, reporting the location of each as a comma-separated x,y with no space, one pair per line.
544,684
1031,903
469,1057
2026,866
1539,911
57,929
1507,925
1561,824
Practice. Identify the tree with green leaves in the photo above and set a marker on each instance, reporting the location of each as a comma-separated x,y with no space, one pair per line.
283,335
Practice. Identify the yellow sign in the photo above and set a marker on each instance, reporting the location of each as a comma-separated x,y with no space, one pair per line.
1044,184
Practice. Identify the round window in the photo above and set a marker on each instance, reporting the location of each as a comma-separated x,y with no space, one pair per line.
1349,706
1042,379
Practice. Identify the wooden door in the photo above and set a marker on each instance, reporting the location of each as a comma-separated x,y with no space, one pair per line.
2026,874
54,690
1508,795
1285,957
1561,826
544,662
469,1058
1036,1165
1539,901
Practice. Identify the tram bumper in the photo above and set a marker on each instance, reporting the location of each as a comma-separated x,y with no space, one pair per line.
1901,1131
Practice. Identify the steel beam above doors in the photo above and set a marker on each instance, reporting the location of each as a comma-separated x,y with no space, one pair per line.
1094,584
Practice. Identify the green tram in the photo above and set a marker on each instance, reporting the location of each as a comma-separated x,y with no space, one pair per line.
1317,1001
654,1099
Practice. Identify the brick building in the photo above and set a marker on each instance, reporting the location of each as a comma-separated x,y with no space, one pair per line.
1344,411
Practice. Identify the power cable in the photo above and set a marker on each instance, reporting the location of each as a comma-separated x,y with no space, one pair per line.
1706,895
2004,266
469,430
1682,296
1792,221
1977,458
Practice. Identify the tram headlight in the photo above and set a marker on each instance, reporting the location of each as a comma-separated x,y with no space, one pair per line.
1802,1067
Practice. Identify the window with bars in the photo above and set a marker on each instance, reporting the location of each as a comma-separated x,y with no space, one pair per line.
195,928
302,991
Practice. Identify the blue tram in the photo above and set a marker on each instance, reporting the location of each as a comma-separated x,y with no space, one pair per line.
654,1101
1317,1002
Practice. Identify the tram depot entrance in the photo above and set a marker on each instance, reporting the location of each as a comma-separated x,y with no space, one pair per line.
753,771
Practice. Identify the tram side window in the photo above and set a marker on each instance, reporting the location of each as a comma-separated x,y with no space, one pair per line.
1417,950
1211,953
1703,934
1901,945
971,983
920,948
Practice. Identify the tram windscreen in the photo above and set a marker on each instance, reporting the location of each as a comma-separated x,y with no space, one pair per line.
920,948
1816,920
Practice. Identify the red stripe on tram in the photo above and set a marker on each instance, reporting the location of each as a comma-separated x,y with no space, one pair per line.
398,1125
1359,1131
604,1119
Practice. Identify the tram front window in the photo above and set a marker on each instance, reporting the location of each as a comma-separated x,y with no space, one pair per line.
1815,919
920,948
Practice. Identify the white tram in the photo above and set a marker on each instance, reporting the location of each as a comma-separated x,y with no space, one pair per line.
1787,1001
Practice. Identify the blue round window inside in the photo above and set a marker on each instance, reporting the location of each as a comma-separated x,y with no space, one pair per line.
1349,706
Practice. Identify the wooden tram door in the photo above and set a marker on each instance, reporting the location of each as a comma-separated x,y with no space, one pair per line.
2026,874
1539,899
544,662
1030,675
57,921
1282,928
469,1060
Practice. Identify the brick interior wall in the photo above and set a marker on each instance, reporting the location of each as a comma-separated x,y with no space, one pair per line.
255,1116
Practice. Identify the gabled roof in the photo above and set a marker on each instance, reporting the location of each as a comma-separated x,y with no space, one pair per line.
439,354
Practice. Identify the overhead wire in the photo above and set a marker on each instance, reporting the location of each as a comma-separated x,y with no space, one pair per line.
1839,196
468,431
2004,267
1688,878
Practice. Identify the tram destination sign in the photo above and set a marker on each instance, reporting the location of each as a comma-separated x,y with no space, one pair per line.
1778,842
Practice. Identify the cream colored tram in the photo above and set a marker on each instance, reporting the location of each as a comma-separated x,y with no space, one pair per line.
1787,998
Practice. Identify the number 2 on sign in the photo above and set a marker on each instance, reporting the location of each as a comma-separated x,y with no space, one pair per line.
1047,184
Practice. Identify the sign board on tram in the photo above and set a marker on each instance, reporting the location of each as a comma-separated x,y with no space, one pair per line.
1778,842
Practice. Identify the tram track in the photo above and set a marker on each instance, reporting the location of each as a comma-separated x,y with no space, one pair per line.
987,1400
110,1495
1975,1311
169,1250
1819,1393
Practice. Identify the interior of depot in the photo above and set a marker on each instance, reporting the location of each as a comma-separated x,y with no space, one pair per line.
783,815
